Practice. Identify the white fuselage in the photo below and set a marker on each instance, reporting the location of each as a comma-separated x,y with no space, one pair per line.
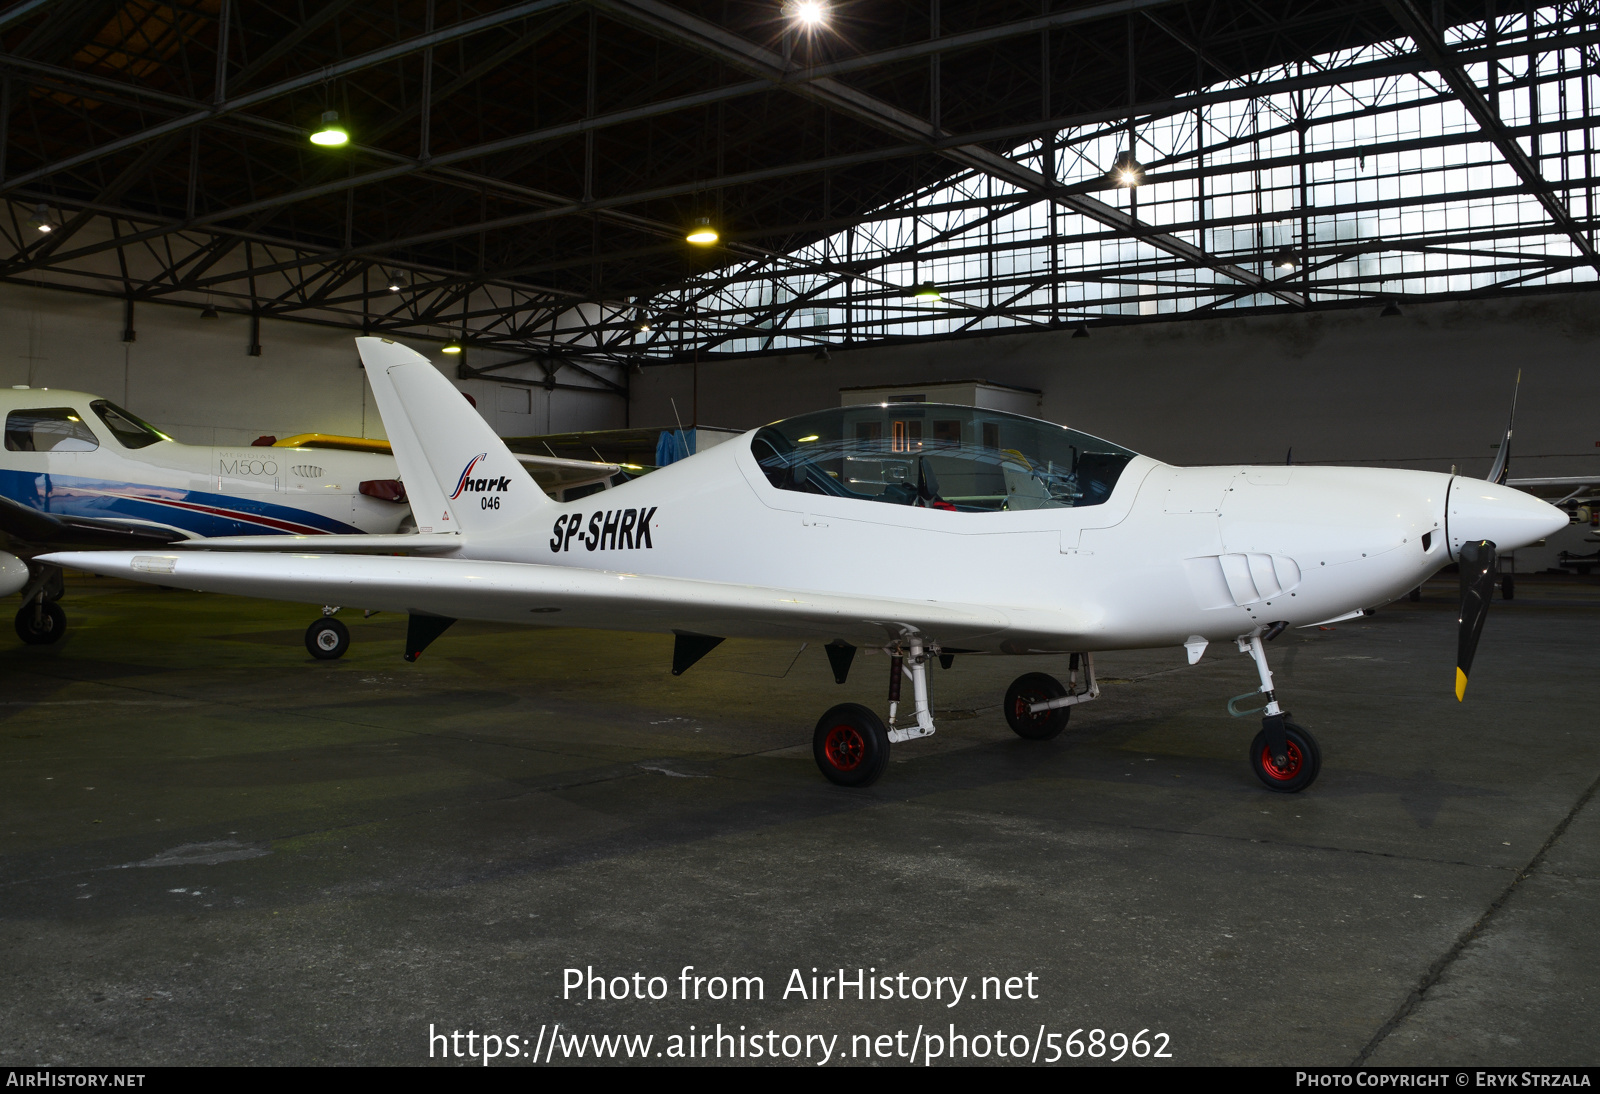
1174,552
194,490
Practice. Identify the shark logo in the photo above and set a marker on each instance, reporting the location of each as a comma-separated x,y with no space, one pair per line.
467,482
466,474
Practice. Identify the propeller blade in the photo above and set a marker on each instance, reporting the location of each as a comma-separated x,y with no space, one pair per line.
1477,561
1502,459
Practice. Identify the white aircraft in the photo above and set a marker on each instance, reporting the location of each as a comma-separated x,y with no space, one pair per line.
79,471
919,530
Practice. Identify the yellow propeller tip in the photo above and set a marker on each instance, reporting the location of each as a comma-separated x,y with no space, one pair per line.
1461,685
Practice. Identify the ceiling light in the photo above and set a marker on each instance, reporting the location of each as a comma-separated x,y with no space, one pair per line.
1126,171
822,355
41,218
702,233
1285,260
452,347
926,291
1390,309
1080,331
209,313
332,134
809,13
397,280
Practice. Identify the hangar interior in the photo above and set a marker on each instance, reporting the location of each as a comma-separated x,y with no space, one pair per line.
1216,233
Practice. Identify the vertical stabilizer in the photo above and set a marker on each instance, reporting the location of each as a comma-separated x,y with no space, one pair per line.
459,474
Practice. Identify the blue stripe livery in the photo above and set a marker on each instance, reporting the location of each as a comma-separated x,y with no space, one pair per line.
194,511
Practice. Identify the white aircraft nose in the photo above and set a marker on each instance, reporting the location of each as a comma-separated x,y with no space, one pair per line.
1506,517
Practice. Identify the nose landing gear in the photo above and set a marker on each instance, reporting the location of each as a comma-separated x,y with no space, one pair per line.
1283,755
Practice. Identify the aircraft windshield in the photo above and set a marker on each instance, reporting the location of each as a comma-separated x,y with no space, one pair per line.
132,432
958,458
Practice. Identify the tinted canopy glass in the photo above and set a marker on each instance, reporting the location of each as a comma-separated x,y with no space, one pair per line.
957,458
48,429
131,431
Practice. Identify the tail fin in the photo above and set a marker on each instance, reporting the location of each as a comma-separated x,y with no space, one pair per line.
459,474
1502,459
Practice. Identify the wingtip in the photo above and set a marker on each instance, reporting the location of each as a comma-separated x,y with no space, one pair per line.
1461,685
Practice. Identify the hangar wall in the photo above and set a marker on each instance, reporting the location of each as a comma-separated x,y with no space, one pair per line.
193,378
1425,389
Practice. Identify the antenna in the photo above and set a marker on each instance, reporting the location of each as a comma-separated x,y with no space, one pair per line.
683,440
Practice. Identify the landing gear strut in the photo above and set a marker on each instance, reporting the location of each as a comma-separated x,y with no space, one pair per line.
1283,755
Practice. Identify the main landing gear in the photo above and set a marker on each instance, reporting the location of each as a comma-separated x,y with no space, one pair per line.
327,639
1037,706
1283,755
40,621
851,743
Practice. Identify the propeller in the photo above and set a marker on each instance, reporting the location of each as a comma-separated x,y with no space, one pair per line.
1477,561
1478,565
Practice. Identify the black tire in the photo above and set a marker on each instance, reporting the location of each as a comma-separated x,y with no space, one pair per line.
327,639
851,745
1508,586
1305,761
1030,688
41,629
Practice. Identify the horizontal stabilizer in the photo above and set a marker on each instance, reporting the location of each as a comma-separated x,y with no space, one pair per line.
564,596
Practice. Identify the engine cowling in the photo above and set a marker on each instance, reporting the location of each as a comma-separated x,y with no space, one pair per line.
13,574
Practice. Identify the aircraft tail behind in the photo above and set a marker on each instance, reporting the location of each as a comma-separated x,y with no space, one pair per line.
459,475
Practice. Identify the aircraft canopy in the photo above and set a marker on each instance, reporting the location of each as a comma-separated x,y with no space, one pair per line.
941,456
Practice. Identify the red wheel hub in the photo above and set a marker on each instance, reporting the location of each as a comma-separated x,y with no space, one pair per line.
845,747
1025,700
1293,762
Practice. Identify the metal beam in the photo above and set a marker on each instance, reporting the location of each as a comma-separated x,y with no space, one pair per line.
18,12
706,37
439,166
1487,115
319,76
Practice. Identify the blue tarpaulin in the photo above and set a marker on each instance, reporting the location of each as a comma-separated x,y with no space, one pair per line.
674,445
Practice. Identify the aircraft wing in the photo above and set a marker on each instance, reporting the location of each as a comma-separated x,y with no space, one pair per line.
411,543
548,595
1555,480
52,530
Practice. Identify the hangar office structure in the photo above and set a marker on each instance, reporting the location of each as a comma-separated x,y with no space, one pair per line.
626,212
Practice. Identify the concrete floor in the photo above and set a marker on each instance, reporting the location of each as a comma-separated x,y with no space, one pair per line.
214,849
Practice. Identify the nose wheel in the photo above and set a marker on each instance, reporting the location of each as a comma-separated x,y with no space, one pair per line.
1295,768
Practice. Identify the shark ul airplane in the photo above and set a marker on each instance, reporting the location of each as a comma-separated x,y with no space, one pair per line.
919,530
79,471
